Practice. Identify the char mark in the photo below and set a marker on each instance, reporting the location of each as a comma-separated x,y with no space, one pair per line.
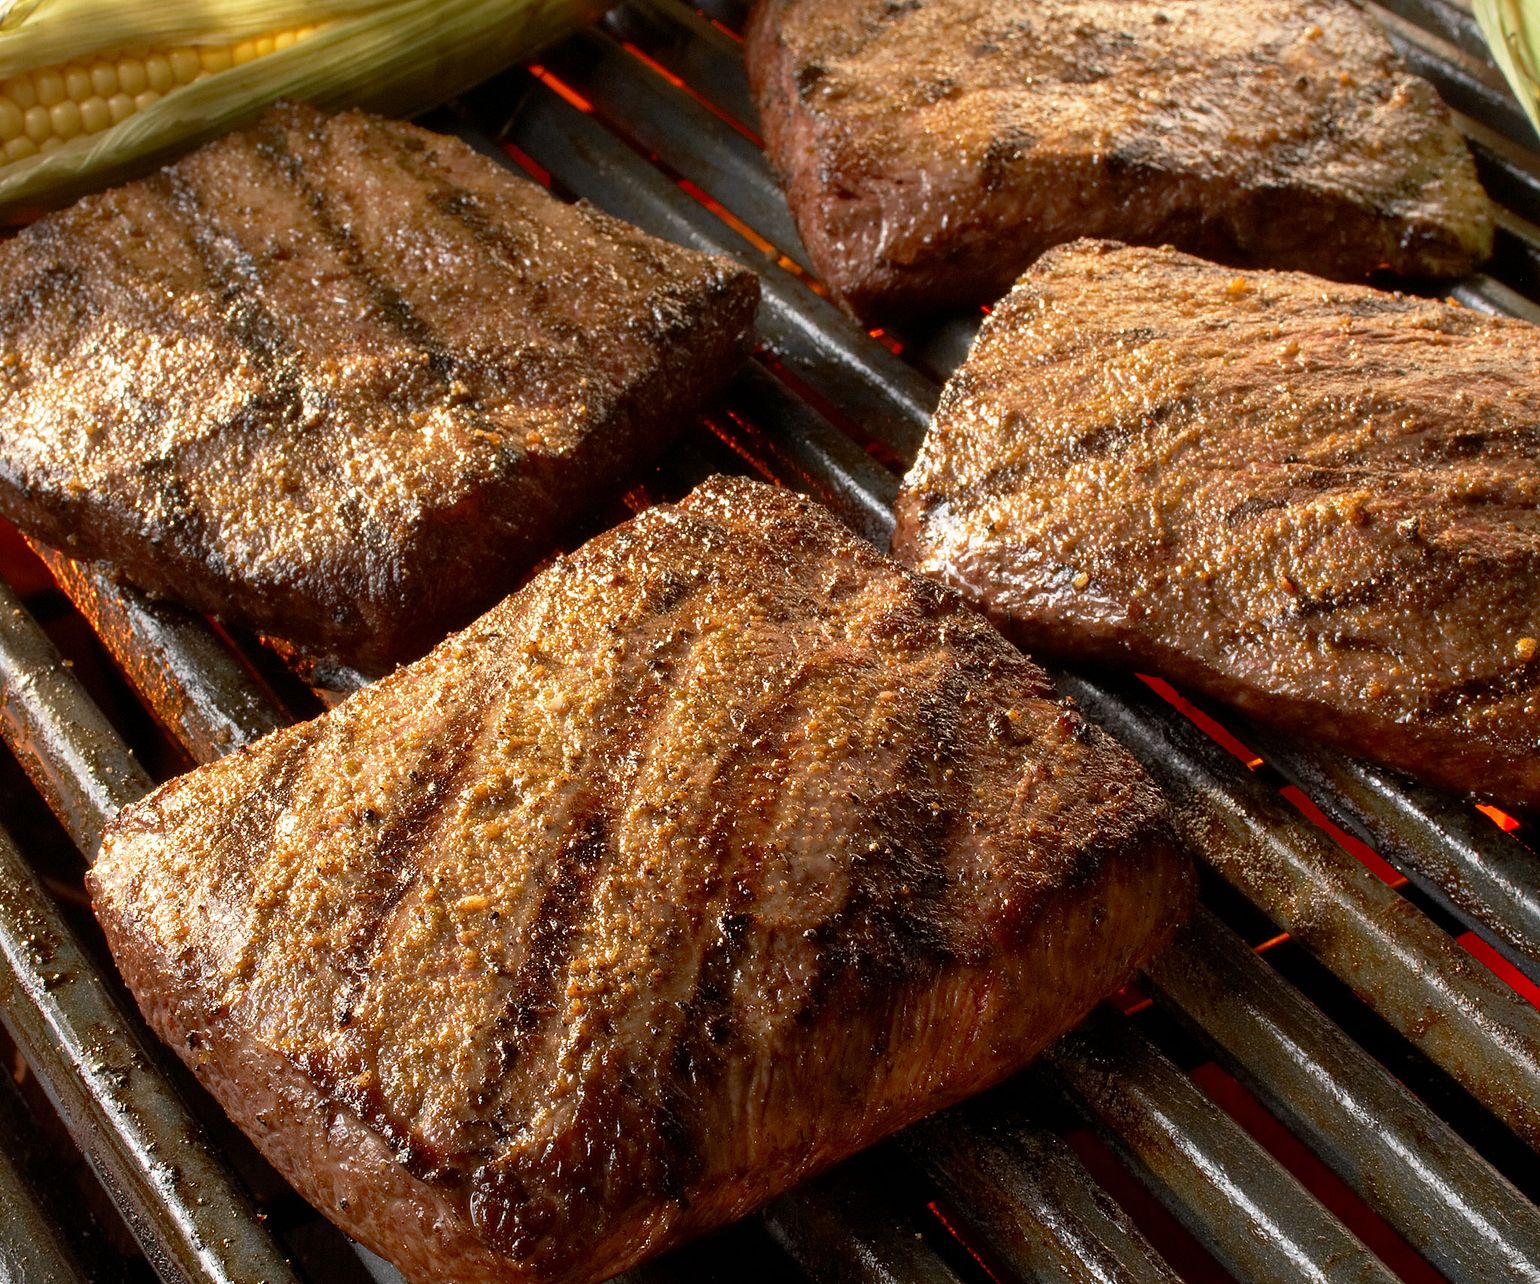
396,866
273,146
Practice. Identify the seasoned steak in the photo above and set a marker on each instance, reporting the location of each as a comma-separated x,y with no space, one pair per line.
721,849
933,148
340,379
1318,502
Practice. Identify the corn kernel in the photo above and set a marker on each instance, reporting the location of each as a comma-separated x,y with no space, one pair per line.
50,87
284,40
39,123
243,52
20,91
95,115
131,78
215,58
66,119
50,145
104,78
185,65
147,99
20,148
77,84
157,70
265,45
11,120
121,106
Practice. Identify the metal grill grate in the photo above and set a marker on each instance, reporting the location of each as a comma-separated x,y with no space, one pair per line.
1333,1075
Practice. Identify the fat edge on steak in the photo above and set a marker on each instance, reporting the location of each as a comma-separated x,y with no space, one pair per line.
721,849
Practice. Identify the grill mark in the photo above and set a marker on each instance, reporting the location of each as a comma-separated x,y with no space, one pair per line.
273,146
561,906
1478,691
880,936
249,835
235,281
394,868
1255,506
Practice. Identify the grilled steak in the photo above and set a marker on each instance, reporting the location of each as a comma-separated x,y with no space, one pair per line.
1320,503
341,379
933,148
719,850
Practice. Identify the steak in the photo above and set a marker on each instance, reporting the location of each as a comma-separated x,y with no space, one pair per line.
340,379
931,149
719,850
1320,503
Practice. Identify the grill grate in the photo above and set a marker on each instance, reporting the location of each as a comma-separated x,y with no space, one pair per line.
1403,1070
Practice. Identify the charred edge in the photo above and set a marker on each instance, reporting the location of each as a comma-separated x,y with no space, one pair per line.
273,146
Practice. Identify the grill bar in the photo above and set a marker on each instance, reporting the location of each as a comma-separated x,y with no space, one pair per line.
1452,1008
1486,877
68,748
32,1250
197,689
1231,1194
1023,1196
189,1214
836,1228
1448,1203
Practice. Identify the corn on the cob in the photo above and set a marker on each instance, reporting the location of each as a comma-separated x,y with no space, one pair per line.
1512,29
92,90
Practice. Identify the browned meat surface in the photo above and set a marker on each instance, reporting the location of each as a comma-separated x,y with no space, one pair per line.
341,379
1318,502
718,851
931,149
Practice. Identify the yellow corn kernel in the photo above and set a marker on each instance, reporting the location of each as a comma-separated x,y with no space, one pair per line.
20,91
42,110
50,87
157,70
185,65
95,115
39,124
131,77
65,118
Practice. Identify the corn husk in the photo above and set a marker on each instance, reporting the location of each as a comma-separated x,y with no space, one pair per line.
397,57
1512,29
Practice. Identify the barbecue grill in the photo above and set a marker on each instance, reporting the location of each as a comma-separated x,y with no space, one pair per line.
1333,1075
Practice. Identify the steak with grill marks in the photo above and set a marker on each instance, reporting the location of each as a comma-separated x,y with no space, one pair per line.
1320,503
931,149
340,379
719,850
